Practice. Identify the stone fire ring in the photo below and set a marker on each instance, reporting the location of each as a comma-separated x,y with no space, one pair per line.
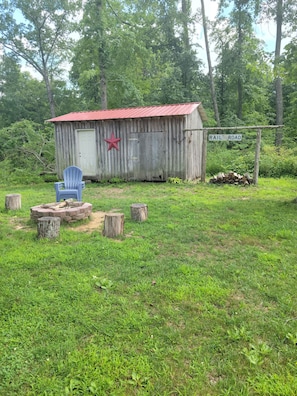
71,213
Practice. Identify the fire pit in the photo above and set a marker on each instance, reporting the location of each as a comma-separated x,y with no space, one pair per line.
68,211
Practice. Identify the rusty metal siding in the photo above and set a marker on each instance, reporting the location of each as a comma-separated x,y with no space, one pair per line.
175,148
150,148
66,143
194,140
65,147
145,154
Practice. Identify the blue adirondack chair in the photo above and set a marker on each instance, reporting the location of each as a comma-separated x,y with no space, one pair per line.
71,186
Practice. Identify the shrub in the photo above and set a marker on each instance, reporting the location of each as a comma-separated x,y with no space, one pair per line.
277,163
273,162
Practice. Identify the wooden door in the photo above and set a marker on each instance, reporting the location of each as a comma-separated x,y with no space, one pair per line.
146,156
87,151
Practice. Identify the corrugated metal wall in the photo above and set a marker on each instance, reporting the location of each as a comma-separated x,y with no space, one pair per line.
150,148
194,145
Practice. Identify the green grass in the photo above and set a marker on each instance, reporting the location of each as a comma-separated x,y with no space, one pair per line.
198,300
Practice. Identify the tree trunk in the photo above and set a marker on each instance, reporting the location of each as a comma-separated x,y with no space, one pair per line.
212,85
239,80
185,11
50,96
49,90
113,225
48,227
13,201
138,212
102,55
186,45
278,80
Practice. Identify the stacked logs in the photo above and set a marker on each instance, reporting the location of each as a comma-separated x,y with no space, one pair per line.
231,178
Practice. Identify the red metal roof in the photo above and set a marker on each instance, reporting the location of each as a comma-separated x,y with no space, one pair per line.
133,112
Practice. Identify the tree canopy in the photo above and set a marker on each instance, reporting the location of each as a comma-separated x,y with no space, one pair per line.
118,53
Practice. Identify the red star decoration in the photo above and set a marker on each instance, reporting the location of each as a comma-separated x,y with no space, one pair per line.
112,142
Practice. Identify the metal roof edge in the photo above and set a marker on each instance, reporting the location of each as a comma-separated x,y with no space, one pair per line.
75,114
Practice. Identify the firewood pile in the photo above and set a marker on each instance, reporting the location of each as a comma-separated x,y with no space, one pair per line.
231,178
68,203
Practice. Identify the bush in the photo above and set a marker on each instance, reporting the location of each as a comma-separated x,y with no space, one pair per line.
224,160
273,162
277,163
26,149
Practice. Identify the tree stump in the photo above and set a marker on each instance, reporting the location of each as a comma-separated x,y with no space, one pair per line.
138,212
113,224
48,227
13,201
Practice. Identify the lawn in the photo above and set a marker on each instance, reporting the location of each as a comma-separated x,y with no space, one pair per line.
200,299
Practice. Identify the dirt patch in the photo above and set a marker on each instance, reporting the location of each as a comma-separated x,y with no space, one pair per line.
95,222
19,223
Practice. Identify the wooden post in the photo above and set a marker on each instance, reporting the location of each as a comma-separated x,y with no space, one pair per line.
257,157
113,224
48,227
138,212
13,201
204,155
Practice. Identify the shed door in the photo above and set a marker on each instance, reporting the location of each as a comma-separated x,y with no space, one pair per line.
87,152
146,156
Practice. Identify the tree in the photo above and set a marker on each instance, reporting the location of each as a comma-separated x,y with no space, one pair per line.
240,21
146,53
210,71
21,96
37,31
173,26
242,74
288,66
278,80
93,45
102,51
284,14
27,146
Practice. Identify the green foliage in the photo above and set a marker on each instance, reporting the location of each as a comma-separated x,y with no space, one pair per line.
164,67
289,61
26,149
145,53
277,163
273,162
292,338
174,180
256,354
38,33
116,180
221,159
22,97
239,333
242,74
103,283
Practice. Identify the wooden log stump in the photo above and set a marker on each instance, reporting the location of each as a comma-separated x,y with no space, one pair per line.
113,224
48,227
138,212
13,201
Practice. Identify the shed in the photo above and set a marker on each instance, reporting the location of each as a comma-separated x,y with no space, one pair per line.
149,143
